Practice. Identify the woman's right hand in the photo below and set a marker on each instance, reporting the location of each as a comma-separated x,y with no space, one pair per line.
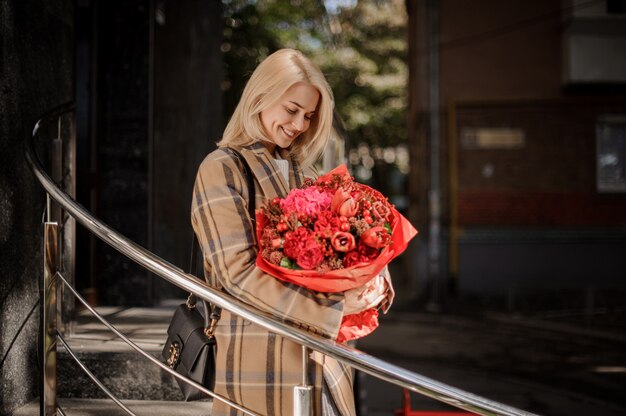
368,296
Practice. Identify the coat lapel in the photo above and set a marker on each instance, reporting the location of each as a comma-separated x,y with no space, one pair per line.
267,175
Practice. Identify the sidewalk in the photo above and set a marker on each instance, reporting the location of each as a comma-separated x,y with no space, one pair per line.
549,367
540,366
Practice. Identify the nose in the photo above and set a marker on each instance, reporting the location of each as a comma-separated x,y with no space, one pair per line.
298,123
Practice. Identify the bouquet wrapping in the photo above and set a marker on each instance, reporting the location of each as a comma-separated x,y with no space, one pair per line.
331,235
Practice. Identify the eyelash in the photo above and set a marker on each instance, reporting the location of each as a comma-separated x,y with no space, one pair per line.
290,111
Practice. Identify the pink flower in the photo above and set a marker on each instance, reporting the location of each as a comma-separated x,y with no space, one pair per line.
308,201
380,210
275,257
343,242
310,256
343,203
376,237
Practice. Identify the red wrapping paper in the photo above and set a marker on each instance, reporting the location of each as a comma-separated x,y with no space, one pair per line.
356,325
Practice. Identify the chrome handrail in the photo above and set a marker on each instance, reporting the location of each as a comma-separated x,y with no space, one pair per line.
145,354
355,358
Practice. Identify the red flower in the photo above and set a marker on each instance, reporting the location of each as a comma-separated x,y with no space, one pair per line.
344,204
376,237
343,242
353,257
295,242
326,224
275,257
310,256
368,253
380,210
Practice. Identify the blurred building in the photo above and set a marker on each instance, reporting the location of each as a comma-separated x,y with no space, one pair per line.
517,125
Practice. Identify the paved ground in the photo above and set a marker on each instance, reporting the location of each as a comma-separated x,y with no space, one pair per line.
105,407
549,366
542,366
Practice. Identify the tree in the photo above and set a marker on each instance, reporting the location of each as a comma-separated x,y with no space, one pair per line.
255,29
360,46
368,71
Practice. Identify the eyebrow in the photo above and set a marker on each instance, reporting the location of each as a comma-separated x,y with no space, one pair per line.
295,103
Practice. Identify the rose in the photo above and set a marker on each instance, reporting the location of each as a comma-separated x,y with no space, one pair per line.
367,253
295,242
343,242
380,210
343,203
275,257
310,256
326,224
376,237
352,258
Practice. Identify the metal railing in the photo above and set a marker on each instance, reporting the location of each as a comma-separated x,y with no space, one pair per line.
53,278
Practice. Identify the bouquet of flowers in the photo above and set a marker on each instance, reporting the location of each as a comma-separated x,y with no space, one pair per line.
331,235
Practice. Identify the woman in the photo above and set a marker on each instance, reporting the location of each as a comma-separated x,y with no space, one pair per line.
280,126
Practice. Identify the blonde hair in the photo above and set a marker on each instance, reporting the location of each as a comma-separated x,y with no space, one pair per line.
269,81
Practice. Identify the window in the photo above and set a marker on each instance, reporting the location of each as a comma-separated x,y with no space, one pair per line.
611,154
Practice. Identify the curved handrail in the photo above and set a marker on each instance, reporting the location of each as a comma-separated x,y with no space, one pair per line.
357,359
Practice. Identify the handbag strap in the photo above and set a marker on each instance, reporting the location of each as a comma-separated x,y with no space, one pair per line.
210,320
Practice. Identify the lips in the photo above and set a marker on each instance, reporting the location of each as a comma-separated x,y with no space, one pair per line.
289,133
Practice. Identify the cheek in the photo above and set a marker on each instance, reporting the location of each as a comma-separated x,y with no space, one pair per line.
268,119
307,124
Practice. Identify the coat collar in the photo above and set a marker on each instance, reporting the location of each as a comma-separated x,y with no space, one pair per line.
266,172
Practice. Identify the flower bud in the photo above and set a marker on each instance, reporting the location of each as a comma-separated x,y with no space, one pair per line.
376,237
343,204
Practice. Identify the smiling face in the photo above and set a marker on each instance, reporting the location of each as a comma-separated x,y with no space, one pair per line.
291,114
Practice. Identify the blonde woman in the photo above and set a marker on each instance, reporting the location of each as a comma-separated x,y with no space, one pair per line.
280,126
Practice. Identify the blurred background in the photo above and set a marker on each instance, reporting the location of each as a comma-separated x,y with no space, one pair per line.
497,127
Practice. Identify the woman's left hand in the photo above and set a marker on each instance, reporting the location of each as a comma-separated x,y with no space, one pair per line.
377,291
385,304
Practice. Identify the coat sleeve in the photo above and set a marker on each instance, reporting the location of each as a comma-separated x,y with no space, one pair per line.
224,229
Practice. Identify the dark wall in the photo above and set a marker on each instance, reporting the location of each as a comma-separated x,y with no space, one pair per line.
123,50
36,70
187,119
148,110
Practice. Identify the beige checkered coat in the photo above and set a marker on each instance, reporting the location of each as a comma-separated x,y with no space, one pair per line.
256,368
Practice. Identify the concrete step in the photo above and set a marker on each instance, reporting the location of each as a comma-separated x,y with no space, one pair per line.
104,407
125,372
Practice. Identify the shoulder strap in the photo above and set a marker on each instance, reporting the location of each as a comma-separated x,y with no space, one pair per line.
249,178
211,320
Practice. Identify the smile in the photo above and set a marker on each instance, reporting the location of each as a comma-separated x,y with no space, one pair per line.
289,133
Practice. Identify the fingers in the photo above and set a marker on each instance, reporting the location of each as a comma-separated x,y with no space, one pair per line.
377,293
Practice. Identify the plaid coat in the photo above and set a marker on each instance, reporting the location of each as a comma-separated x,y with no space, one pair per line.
255,367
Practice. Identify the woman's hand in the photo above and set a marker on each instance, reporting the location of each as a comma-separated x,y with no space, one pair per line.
368,296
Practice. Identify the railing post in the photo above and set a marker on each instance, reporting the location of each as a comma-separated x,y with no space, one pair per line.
48,405
302,395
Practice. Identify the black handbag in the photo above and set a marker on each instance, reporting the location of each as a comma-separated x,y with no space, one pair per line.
190,346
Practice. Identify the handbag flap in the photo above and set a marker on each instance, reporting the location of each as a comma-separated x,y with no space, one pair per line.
193,347
184,322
